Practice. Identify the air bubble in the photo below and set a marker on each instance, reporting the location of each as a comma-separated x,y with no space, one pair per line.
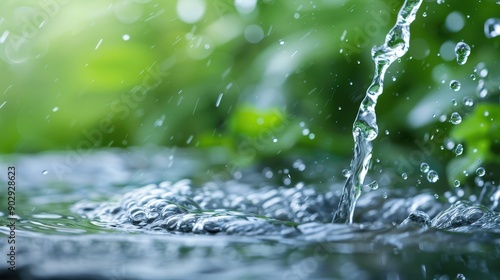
455,85
462,51
424,167
455,118
432,176
459,149
480,171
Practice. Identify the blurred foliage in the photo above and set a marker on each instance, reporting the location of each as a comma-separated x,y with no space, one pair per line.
261,81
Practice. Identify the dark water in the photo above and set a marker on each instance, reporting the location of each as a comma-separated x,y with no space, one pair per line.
132,214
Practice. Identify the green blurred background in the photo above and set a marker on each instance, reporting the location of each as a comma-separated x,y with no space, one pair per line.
259,78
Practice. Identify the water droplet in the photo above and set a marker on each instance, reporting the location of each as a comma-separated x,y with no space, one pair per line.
440,1
460,276
275,140
296,16
480,171
45,172
462,50
282,42
159,122
55,109
492,27
219,99
454,102
455,118
483,93
456,183
125,37
432,176
424,14
436,196
404,176
191,11
387,132
459,149
98,44
473,77
424,167
373,185
455,21
346,173
469,102
455,85
245,6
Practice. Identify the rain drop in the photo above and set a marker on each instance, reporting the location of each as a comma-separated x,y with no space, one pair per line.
459,149
455,85
455,118
480,171
432,176
424,167
462,50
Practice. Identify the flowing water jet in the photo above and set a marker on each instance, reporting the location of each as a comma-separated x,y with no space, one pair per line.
365,128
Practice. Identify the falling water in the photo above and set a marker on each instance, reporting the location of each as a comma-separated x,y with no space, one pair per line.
365,128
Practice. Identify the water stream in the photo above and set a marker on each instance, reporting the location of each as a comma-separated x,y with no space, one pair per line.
365,128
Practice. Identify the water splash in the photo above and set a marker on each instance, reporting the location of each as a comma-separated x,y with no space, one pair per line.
365,127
